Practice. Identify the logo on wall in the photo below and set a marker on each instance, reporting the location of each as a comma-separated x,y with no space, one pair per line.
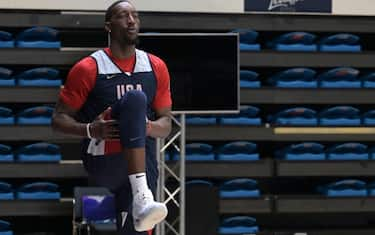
289,5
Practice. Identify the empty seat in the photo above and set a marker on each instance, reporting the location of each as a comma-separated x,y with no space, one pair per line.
340,116
38,37
6,153
40,115
39,77
200,120
238,225
39,152
294,41
38,190
6,191
238,151
199,182
249,79
368,80
294,78
5,228
372,153
249,115
239,188
6,40
198,152
368,118
6,116
248,39
99,208
344,188
302,151
93,209
6,78
342,42
340,78
299,116
371,189
348,151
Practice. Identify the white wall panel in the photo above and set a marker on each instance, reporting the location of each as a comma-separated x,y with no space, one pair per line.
142,5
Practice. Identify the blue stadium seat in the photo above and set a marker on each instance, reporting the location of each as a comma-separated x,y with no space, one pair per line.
348,151
239,188
6,116
343,42
39,152
371,189
368,118
344,188
298,116
303,151
371,152
199,181
238,151
38,37
40,115
6,78
340,116
6,40
6,191
368,80
249,79
340,78
5,228
248,39
39,77
198,152
294,78
238,225
6,153
38,190
200,120
99,208
249,115
294,41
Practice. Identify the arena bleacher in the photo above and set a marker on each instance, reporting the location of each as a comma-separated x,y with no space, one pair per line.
298,158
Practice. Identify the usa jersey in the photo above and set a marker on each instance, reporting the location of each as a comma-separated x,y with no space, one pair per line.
108,81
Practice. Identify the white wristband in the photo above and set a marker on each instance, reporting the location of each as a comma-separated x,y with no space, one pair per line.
88,131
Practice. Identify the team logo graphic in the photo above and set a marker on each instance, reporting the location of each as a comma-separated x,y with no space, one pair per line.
274,4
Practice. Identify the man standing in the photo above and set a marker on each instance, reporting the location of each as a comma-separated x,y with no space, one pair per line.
119,99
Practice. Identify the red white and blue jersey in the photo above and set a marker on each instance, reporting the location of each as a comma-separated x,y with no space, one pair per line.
99,80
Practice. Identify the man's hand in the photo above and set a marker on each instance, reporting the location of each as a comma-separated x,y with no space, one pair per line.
104,129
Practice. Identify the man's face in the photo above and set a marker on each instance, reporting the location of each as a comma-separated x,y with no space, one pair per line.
124,23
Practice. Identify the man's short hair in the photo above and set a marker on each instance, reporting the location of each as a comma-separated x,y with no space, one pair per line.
109,12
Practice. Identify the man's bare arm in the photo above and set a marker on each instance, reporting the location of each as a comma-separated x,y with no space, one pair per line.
64,120
162,126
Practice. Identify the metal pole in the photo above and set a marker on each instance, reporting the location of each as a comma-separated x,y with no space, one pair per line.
182,175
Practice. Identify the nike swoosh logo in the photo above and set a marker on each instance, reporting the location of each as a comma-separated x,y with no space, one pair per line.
134,139
124,214
110,76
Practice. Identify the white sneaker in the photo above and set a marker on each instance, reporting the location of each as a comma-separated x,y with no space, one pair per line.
146,212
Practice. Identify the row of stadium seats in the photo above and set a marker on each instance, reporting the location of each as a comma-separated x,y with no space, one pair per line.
37,152
33,191
295,116
300,41
35,37
248,151
39,115
238,225
42,76
248,188
5,228
342,77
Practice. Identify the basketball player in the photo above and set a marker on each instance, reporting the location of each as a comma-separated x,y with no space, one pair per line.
119,99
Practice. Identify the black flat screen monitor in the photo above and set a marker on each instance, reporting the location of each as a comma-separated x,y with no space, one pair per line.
204,70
